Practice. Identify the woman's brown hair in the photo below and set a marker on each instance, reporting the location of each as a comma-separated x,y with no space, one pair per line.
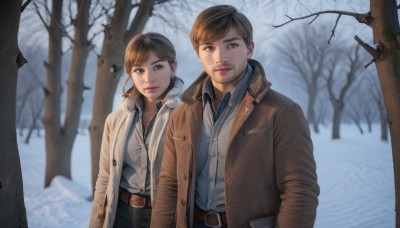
138,50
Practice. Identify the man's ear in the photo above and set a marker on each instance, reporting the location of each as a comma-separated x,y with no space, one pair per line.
250,50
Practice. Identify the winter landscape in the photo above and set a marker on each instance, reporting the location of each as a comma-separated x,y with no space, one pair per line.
355,174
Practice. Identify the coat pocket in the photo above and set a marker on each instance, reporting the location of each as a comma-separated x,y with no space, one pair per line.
259,129
179,137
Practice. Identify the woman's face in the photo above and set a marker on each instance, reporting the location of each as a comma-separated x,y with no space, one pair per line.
153,77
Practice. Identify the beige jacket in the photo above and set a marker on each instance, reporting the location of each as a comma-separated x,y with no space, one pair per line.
113,144
270,171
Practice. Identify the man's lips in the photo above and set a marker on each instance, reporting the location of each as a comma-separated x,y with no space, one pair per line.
223,70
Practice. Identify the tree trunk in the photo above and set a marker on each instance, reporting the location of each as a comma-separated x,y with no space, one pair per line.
12,208
359,127
385,25
31,128
35,117
384,129
60,140
110,68
53,89
312,95
337,116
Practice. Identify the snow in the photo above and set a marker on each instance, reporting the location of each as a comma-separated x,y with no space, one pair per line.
355,174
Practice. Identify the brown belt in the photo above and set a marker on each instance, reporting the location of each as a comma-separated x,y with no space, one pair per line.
212,219
134,200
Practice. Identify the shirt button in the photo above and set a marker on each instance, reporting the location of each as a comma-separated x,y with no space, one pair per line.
214,139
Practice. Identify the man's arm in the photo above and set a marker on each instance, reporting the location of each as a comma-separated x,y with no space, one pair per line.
295,169
163,213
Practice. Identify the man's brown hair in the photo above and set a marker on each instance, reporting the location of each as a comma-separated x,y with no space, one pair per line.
214,23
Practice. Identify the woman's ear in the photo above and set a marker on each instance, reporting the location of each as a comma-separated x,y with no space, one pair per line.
174,65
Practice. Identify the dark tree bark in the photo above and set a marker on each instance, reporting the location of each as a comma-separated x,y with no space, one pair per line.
12,207
385,27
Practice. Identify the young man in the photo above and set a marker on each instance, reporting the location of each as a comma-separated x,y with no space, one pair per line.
237,153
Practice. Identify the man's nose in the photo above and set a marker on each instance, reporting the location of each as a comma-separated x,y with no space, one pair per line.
220,55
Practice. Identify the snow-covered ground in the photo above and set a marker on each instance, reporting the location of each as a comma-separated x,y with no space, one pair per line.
355,175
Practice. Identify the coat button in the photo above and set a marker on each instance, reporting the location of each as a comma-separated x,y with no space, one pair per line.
114,162
183,202
184,176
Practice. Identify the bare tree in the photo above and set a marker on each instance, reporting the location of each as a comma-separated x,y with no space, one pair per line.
36,111
338,101
304,55
357,108
12,208
383,19
61,136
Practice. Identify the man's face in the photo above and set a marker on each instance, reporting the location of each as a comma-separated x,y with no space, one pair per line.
225,59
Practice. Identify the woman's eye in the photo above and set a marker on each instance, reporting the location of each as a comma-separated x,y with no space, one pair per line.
158,67
137,70
207,48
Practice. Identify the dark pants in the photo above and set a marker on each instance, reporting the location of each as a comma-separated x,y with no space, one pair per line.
199,224
128,216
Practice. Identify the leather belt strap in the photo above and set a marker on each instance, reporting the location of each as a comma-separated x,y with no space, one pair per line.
134,200
211,219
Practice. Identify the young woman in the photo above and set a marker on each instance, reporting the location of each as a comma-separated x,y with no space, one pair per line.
133,139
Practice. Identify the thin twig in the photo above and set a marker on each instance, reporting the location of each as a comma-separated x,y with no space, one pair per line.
25,5
352,14
334,28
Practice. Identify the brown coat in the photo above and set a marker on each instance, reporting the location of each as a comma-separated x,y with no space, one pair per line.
269,169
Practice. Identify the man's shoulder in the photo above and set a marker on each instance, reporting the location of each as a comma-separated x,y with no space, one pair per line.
278,99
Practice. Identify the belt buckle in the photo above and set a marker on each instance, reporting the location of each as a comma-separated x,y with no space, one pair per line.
137,206
211,213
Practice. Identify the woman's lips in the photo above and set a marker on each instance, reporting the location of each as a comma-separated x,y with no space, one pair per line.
151,89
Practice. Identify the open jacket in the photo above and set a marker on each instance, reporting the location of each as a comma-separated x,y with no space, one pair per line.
270,171
115,134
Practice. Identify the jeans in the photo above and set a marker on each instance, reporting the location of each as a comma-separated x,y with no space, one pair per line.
200,224
128,216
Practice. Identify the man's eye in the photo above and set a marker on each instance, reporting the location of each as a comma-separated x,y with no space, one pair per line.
233,45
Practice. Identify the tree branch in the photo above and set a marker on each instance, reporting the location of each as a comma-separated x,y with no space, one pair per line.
376,53
25,5
360,17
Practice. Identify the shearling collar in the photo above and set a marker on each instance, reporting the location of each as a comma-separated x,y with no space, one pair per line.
128,104
259,84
